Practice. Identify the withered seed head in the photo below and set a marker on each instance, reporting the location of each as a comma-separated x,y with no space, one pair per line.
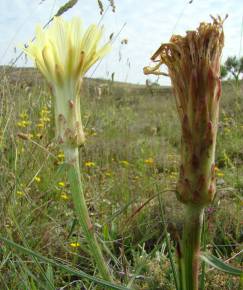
193,63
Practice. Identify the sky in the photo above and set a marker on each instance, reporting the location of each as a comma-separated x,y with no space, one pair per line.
144,23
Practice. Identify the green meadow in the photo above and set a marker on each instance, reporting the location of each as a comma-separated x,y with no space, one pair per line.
129,167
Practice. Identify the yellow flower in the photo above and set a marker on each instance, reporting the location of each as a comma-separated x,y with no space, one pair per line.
20,193
74,244
23,123
124,162
38,135
45,119
64,52
108,174
20,124
61,184
149,161
220,174
40,125
37,179
89,164
60,155
64,196
23,115
44,111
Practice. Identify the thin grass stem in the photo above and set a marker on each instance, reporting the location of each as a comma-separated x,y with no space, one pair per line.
167,240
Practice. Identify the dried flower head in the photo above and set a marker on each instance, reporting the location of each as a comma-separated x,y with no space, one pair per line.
193,63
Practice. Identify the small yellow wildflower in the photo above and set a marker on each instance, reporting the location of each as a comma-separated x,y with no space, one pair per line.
23,123
64,196
93,134
124,162
38,135
20,193
60,155
173,175
89,164
44,111
37,179
109,174
23,115
20,124
40,125
61,184
74,244
149,161
220,174
45,119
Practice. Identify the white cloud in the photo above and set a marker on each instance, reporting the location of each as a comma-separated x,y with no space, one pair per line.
148,23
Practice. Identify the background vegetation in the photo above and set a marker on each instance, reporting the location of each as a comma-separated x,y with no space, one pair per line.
131,156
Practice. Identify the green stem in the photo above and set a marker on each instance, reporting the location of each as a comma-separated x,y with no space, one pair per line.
72,157
191,246
204,243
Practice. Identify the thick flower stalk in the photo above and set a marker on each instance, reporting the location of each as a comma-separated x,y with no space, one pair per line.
193,63
64,53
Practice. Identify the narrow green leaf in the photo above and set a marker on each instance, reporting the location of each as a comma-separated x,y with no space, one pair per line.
176,275
66,268
49,273
220,265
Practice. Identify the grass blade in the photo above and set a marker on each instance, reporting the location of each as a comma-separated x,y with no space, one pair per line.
66,268
203,266
220,265
173,267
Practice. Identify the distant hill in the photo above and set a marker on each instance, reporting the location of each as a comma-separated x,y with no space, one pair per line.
29,76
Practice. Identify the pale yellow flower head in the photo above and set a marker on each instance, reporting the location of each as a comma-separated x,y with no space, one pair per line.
65,51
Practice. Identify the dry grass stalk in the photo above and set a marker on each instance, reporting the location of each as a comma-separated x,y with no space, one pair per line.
66,7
